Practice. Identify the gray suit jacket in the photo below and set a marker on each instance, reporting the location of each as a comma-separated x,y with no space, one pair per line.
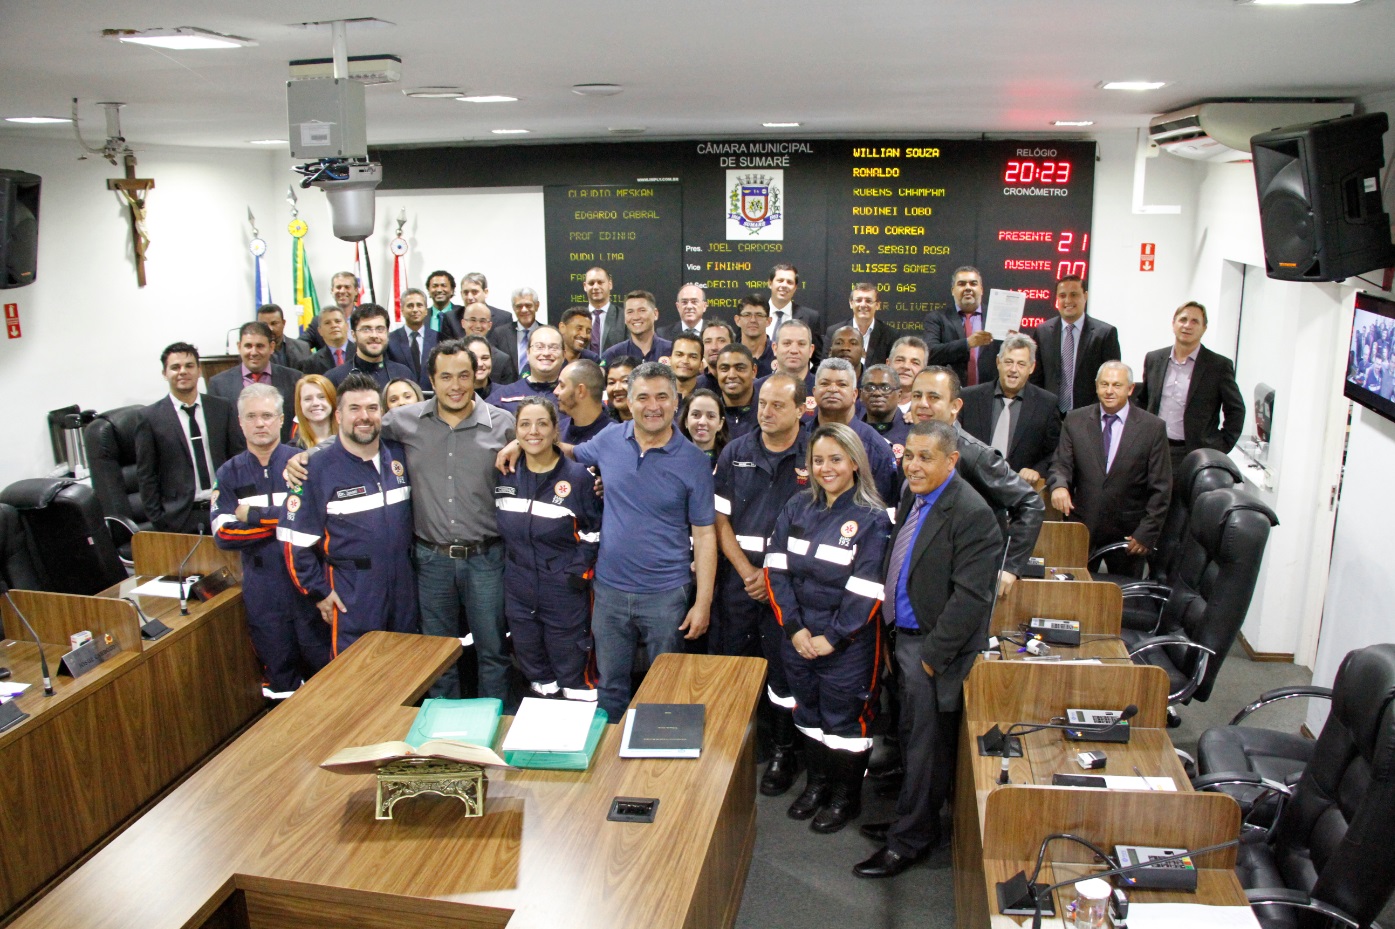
228,386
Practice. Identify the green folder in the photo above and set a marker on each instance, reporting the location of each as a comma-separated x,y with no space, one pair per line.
472,721
563,761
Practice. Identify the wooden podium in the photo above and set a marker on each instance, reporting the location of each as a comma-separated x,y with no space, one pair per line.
262,837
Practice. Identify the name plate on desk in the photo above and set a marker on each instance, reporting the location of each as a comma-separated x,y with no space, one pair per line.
86,657
11,714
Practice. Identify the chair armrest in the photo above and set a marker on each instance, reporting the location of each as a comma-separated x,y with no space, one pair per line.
1282,896
1106,549
1181,641
1282,693
1152,587
121,530
1247,778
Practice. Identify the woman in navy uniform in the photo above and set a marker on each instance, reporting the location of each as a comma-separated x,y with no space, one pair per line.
550,521
824,572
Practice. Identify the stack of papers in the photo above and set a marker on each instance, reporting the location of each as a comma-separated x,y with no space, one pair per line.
554,735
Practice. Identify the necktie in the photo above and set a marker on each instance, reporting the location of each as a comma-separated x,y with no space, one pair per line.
416,353
196,440
779,318
596,331
522,344
899,551
1002,429
338,356
1109,420
1067,399
691,333
972,371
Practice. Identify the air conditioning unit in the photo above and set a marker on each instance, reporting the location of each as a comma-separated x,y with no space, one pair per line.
366,69
1221,132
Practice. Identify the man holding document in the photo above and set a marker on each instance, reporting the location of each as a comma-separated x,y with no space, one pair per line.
965,338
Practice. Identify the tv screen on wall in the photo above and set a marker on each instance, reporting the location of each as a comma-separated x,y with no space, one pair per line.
1370,379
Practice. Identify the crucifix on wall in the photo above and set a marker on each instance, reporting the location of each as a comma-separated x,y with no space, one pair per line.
133,191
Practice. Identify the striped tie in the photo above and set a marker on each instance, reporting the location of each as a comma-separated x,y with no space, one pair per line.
899,550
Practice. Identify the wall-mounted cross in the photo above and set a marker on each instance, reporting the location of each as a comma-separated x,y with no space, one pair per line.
133,191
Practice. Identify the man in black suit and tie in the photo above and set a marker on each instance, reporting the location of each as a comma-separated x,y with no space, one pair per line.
1073,337
336,348
877,338
474,288
1014,416
511,338
607,321
254,345
784,285
181,442
940,573
286,351
692,308
955,335
1192,389
411,345
1112,470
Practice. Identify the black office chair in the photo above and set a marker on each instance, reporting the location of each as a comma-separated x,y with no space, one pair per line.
1330,856
75,552
1206,605
111,459
18,570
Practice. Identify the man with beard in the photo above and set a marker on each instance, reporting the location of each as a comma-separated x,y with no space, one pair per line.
956,336
370,325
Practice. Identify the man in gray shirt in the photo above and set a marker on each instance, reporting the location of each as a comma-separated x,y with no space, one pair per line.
451,442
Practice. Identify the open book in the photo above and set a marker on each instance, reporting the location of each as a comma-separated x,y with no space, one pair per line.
365,759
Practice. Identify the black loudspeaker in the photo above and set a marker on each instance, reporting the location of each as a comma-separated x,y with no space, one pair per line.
1320,208
19,228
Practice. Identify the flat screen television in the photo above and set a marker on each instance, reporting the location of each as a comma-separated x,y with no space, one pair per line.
1370,379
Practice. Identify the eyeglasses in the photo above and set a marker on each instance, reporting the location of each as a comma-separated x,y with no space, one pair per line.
752,315
372,330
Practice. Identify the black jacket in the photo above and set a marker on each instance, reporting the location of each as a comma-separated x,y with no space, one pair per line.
1038,425
1214,412
164,468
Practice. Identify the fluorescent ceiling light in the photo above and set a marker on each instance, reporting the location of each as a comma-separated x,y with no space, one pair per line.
268,142
627,130
779,125
1074,122
37,120
434,93
1133,85
510,131
180,38
596,90
488,98
1299,2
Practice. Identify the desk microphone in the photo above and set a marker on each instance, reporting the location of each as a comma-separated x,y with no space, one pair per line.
183,585
1018,895
1007,745
43,661
149,628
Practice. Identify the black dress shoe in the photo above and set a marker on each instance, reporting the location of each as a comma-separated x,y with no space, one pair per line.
891,768
888,787
875,831
883,863
780,772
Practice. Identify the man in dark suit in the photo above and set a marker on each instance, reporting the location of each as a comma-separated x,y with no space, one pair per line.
692,310
181,442
444,315
940,572
335,345
1014,416
784,286
1192,389
955,335
511,338
474,288
607,320
343,287
1112,470
254,345
286,351
1073,335
877,338
411,345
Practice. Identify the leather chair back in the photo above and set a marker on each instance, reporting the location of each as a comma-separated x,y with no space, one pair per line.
1203,470
1336,838
1216,576
18,570
74,549
111,457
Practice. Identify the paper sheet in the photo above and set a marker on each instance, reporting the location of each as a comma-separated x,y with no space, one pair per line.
159,588
550,726
1190,916
11,689
1118,782
1004,313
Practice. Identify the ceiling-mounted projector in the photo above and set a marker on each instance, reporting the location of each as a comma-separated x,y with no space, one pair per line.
328,124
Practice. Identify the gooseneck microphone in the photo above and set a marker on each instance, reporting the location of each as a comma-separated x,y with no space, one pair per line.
183,582
1018,895
43,660
1006,744
149,628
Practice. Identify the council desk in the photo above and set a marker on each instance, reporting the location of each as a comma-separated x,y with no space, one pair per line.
262,837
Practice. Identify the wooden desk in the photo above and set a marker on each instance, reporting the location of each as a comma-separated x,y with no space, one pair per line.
995,824
108,742
262,837
1098,606
1066,544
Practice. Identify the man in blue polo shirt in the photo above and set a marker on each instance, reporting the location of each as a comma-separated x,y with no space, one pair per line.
658,488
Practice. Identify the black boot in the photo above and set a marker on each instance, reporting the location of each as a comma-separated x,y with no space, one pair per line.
816,786
784,760
846,770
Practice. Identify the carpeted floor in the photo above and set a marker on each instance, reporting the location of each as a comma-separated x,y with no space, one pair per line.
802,880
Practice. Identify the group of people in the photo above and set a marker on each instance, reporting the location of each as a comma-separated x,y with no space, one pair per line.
842,500
1371,359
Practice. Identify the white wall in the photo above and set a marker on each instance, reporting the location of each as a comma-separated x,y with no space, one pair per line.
90,335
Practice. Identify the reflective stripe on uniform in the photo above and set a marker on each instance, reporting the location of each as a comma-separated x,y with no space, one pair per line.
589,536
798,546
842,556
786,702
585,696
551,510
298,539
511,504
223,520
812,732
398,495
751,543
776,561
864,588
846,744
722,503
356,505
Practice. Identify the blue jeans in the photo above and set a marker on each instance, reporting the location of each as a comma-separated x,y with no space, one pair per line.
619,622
447,585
